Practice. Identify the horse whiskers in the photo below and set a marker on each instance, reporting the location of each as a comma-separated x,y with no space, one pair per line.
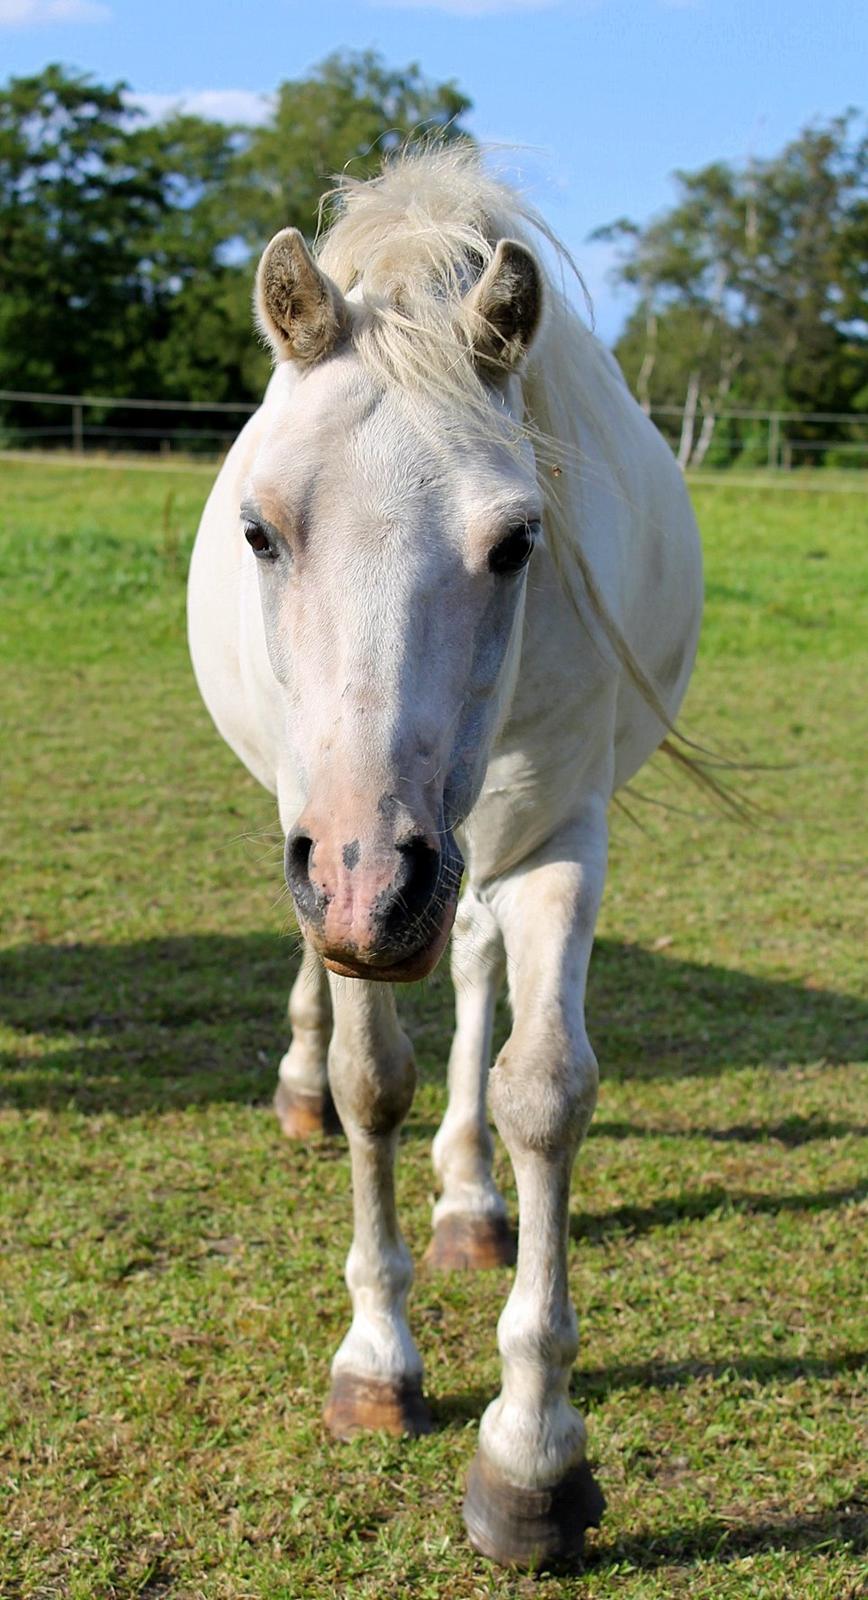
252,836
283,894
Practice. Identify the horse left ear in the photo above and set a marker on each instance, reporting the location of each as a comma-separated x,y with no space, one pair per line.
506,306
300,311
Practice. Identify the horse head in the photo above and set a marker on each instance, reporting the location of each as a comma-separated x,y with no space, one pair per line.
392,534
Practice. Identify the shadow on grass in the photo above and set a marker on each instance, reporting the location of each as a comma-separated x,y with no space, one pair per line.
593,1384
793,1131
696,1205
163,1023
841,1528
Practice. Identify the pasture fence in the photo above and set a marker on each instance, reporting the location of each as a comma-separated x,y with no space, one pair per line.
109,424
776,441
771,441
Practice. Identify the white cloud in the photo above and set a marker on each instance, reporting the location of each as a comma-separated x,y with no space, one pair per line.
27,13
220,105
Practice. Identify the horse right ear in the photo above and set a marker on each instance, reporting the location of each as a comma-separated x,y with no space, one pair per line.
300,311
506,307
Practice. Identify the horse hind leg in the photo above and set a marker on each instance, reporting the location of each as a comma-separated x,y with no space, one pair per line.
303,1100
470,1224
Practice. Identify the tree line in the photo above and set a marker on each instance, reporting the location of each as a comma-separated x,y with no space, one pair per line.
752,293
127,247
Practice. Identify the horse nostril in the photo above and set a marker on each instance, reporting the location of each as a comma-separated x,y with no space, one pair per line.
299,848
416,878
298,852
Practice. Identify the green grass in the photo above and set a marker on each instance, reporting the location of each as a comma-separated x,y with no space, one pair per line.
171,1271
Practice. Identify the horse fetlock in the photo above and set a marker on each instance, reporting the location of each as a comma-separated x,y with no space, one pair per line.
531,1433
541,1344
462,1150
304,1064
303,1100
309,1016
472,1195
375,1282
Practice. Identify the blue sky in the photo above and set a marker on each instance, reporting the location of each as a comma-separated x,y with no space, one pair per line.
604,98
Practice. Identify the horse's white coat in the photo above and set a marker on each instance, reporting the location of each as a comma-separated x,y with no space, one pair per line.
387,660
304,1068
462,1148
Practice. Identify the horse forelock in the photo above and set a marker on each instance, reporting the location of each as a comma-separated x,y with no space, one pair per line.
408,245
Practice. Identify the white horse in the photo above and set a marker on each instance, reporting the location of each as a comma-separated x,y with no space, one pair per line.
444,600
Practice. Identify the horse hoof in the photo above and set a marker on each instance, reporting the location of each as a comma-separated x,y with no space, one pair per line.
531,1528
462,1243
301,1114
358,1405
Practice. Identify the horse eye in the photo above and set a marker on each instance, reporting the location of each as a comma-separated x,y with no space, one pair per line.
259,541
515,550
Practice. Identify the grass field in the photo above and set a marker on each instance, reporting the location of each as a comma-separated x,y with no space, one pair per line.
171,1271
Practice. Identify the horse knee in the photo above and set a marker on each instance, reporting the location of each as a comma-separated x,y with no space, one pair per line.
544,1098
374,1096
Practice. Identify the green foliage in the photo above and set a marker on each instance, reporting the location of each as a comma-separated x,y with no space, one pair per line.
351,112
754,284
171,1270
127,249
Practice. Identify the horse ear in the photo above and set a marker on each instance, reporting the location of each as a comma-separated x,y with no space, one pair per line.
300,311
506,306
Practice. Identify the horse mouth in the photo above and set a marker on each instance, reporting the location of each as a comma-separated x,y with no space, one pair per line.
386,968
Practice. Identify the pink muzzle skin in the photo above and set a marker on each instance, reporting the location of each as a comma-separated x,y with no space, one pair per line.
377,909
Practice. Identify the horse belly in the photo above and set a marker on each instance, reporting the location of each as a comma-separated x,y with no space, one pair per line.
662,624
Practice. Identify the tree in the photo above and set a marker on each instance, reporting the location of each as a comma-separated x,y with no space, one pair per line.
127,249
754,286
351,112
104,224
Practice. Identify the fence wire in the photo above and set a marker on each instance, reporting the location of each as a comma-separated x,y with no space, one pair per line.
736,437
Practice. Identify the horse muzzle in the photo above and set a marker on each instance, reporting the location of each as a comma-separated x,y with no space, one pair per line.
382,910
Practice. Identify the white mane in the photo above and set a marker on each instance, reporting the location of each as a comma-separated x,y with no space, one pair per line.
411,242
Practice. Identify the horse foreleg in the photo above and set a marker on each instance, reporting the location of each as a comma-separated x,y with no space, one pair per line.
377,1372
303,1100
470,1226
530,1493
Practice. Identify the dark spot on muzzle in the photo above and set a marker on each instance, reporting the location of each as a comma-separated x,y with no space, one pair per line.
351,853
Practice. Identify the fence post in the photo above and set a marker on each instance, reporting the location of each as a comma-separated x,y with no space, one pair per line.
774,439
78,429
